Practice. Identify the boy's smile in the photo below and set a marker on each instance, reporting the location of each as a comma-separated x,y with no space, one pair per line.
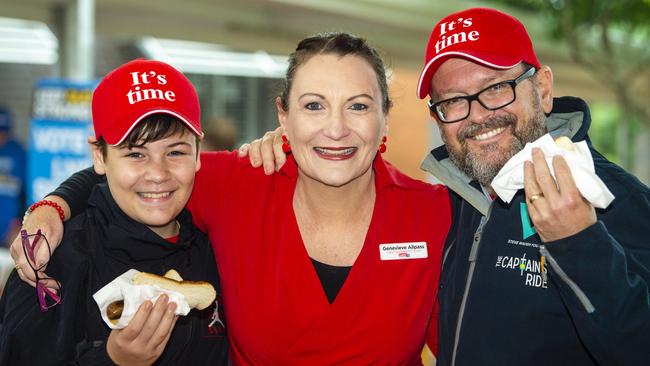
153,182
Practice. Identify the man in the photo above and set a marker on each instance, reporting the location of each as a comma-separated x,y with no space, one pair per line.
576,293
12,178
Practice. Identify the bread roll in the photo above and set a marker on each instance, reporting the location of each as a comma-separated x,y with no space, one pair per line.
198,294
172,274
565,143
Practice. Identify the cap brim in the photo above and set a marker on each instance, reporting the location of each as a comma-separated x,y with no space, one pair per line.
140,116
495,61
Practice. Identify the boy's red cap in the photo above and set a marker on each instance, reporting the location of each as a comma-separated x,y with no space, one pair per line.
138,89
482,35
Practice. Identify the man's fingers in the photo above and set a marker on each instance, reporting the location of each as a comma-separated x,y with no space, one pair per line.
564,177
543,176
266,152
531,187
254,154
49,282
266,149
25,272
26,275
20,262
42,255
16,251
532,190
47,220
26,279
243,150
280,156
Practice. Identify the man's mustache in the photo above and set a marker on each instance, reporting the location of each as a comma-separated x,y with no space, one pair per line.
490,124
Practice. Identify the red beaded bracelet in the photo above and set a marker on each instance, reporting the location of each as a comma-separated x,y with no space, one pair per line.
46,203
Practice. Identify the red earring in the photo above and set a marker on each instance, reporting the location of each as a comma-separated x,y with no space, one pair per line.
285,145
382,147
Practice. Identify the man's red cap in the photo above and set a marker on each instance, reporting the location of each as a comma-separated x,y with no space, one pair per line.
482,35
139,89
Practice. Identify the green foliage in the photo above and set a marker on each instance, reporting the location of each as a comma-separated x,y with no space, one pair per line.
634,15
605,118
609,39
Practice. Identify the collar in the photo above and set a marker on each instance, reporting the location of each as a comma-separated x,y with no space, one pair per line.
129,239
385,174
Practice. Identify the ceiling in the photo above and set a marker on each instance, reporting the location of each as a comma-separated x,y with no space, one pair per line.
399,29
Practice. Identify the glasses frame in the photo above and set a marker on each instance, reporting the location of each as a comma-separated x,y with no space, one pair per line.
42,292
433,107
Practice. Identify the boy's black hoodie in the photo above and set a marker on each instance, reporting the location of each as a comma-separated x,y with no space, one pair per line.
99,245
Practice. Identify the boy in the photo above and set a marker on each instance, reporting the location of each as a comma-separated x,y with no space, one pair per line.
147,129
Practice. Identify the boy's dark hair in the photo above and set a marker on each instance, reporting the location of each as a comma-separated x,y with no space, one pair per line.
341,44
152,128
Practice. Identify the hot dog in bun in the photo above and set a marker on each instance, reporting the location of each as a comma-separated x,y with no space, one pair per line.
198,294
565,143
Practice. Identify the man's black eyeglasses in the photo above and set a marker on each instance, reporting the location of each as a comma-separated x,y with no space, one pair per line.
47,298
493,97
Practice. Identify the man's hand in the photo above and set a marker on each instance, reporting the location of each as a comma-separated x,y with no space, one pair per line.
46,219
557,210
144,339
266,151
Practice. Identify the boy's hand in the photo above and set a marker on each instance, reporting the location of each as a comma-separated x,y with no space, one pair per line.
47,219
145,338
266,151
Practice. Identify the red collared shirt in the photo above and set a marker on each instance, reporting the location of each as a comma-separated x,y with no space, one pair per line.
276,310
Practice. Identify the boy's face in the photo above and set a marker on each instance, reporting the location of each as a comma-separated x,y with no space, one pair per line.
152,183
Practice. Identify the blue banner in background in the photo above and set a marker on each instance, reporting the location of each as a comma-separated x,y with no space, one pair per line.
60,126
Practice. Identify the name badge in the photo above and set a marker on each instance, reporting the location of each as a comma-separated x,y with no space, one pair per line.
397,251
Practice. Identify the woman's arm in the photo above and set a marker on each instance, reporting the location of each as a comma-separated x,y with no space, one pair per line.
72,196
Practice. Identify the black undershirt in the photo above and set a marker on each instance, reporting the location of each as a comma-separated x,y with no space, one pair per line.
331,278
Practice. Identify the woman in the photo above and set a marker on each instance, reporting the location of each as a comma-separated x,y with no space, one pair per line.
335,258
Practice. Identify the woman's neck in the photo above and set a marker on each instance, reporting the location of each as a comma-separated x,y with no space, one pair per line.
328,203
333,221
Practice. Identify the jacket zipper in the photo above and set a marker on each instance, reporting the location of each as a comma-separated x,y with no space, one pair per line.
470,274
582,297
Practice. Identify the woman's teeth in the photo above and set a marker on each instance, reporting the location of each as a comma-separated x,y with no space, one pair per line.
335,152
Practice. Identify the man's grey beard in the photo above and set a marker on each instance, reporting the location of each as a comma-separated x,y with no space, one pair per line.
470,162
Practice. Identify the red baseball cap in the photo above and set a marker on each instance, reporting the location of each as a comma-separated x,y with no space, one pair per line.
482,35
139,89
